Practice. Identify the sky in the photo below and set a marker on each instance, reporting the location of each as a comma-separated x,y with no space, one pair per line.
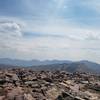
50,29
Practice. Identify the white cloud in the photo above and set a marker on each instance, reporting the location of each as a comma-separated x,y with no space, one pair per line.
14,44
64,29
10,29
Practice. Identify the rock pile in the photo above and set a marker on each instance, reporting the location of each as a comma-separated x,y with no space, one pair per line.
26,84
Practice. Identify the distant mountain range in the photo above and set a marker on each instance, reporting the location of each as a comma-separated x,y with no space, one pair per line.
80,66
16,62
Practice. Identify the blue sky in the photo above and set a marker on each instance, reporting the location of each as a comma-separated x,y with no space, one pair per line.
50,29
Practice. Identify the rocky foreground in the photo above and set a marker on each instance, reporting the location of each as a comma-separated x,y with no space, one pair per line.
26,84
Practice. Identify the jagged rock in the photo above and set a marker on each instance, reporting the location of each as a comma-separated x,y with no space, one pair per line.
25,84
19,97
12,93
2,81
28,97
48,80
2,97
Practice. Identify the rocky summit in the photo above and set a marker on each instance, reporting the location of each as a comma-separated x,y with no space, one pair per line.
27,84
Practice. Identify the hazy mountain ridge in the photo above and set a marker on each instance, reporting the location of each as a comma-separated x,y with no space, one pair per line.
72,67
80,66
16,62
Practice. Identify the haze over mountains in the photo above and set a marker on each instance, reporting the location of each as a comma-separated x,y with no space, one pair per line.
80,66
16,62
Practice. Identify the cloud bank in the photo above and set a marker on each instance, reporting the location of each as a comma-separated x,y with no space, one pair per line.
56,29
